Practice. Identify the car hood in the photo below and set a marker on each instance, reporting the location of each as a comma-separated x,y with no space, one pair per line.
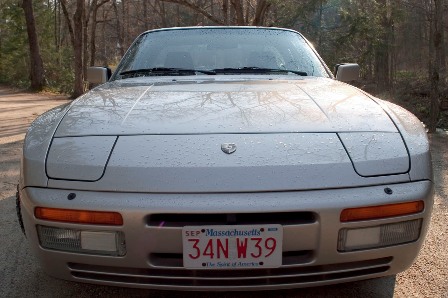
212,106
172,137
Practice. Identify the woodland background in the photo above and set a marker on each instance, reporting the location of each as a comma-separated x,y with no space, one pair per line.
399,44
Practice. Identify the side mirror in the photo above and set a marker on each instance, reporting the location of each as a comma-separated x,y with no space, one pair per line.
347,72
98,75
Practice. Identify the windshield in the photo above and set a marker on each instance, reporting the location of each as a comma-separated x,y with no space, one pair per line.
220,51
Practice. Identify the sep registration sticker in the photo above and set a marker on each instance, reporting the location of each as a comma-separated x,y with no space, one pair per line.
232,247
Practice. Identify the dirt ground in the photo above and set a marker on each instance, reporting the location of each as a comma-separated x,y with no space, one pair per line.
20,275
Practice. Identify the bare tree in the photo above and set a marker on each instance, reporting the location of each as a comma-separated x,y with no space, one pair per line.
68,21
76,28
119,28
383,51
95,7
78,21
239,12
197,8
436,64
36,64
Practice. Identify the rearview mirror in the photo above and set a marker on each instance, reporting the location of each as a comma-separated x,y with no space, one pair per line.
347,72
98,75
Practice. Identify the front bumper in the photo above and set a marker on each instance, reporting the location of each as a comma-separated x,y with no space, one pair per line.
154,252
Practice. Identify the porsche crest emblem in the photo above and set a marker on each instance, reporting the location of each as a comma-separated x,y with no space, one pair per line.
228,148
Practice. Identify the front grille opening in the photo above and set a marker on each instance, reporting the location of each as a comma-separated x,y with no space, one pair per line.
183,273
297,257
166,260
181,220
229,277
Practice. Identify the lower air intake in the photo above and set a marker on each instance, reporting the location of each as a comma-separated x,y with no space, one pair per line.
283,276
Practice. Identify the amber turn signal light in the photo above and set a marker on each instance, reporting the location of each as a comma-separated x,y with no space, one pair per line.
79,216
383,211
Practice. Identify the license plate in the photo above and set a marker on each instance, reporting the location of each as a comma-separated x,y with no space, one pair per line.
231,247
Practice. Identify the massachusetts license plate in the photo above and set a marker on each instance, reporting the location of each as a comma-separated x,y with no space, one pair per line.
231,247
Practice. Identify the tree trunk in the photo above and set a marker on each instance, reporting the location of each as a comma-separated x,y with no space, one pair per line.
145,16
36,64
383,50
443,52
239,11
103,39
434,113
225,11
261,12
319,25
163,14
78,48
119,29
85,36
56,33
93,33
68,21
95,7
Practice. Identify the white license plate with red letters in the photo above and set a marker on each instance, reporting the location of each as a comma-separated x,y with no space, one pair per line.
232,247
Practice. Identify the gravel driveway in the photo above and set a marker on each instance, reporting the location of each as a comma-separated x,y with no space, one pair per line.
20,275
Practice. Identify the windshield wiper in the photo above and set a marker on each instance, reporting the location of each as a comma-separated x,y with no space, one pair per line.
163,71
254,69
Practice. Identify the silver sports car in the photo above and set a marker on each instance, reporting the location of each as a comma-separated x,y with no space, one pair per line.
225,158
